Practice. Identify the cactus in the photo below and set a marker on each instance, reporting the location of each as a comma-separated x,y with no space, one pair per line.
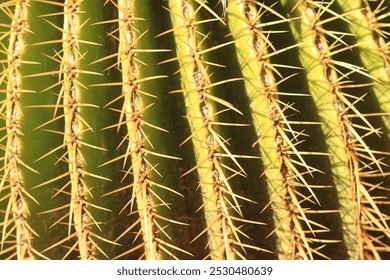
192,129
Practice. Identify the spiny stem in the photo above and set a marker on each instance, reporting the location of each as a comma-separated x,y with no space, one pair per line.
5,192
88,144
371,48
370,53
133,109
376,21
142,91
220,200
33,58
74,126
347,147
17,201
271,123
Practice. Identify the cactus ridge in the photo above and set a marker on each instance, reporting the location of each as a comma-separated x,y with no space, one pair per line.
220,200
12,163
191,129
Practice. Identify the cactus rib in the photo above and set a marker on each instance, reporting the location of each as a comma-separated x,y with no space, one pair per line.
194,129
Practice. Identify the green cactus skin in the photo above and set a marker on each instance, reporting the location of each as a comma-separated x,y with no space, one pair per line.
275,144
191,129
202,102
4,28
324,81
20,173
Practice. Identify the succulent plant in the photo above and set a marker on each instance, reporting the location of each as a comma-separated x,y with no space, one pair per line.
193,129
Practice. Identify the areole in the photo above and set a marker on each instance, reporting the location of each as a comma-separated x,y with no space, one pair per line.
191,129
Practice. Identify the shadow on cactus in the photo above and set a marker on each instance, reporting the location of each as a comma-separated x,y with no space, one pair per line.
193,129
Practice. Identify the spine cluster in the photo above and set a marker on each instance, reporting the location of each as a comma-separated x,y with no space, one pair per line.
133,110
219,196
277,139
358,151
13,164
215,129
376,22
74,127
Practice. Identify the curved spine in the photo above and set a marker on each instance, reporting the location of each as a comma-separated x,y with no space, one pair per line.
21,173
371,49
143,87
269,118
346,146
221,206
85,142
376,21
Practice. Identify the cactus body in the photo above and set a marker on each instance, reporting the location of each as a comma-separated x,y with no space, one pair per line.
191,129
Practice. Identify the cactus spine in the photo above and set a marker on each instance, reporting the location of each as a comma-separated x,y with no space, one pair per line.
198,129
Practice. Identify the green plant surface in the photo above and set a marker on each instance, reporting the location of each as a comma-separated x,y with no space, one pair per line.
191,129
143,90
325,93
221,204
275,141
335,80
20,173
4,29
